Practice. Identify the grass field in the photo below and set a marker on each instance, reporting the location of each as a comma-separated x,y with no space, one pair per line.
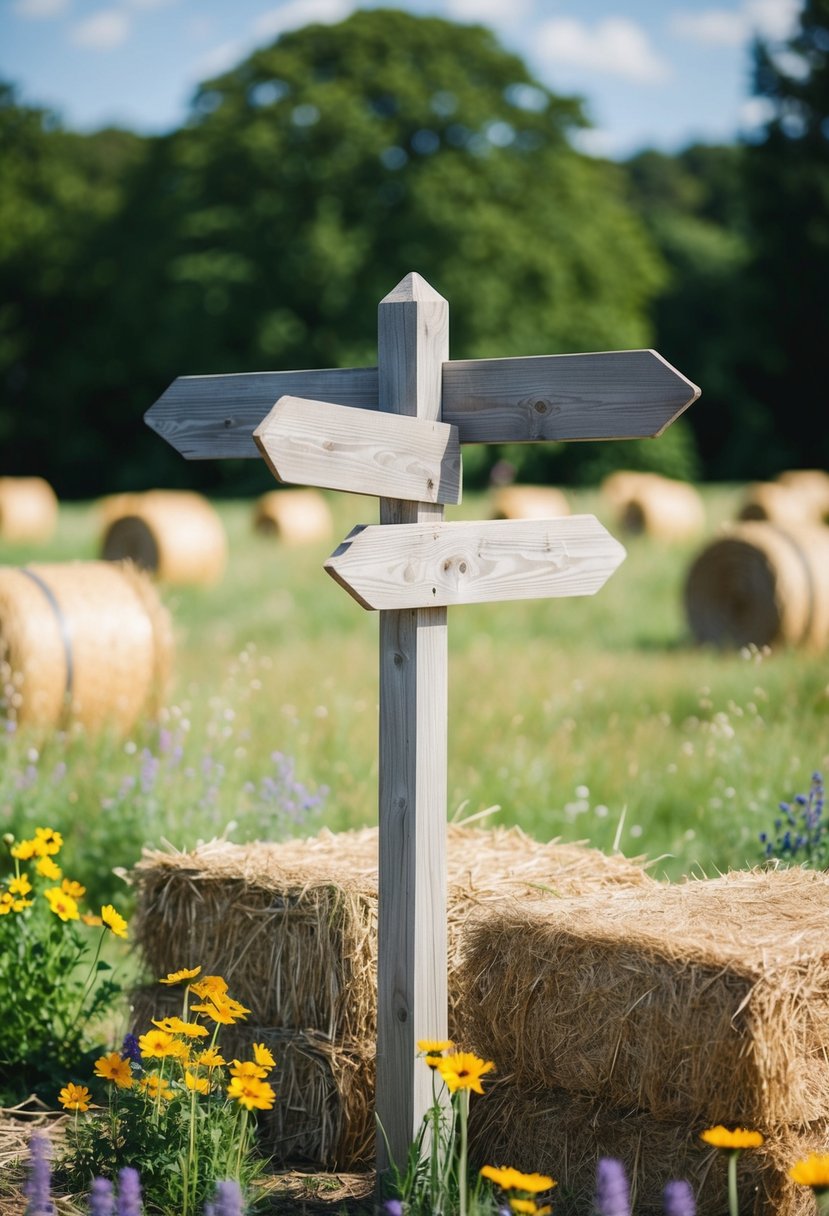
589,719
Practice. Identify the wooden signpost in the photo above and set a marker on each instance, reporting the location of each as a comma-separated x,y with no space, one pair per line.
394,431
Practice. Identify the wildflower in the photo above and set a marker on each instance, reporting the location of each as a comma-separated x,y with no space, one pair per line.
434,1047
175,977
62,905
129,1192
201,1085
89,919
228,1201
24,850
432,1061
251,1092
530,1207
156,1044
113,920
156,1086
74,1097
212,1058
6,903
176,1026
812,1171
38,1186
463,1070
101,1198
262,1056
225,1011
113,1067
70,887
47,842
247,1068
612,1195
509,1179
211,987
393,1207
678,1199
46,868
130,1049
20,885
721,1137
20,904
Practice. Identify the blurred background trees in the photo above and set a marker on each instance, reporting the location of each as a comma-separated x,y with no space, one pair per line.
310,178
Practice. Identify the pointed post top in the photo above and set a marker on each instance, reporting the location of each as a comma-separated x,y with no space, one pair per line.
413,288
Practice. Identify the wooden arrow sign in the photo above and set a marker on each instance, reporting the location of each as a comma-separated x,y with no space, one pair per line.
627,394
338,447
440,564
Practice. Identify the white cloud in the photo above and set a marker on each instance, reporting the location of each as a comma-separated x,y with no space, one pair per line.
218,61
296,13
103,31
488,12
771,19
615,46
151,3
39,10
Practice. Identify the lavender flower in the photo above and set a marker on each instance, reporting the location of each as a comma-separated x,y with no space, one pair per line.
678,1199
612,1194
228,1201
130,1049
129,1192
393,1207
38,1186
101,1198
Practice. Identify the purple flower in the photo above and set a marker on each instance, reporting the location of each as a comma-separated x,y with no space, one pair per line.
678,1199
130,1049
393,1207
612,1194
228,1201
129,1192
101,1198
38,1186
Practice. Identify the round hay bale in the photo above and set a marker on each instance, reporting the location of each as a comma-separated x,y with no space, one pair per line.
619,487
528,502
86,642
28,509
778,504
174,534
661,508
295,517
113,506
762,584
812,485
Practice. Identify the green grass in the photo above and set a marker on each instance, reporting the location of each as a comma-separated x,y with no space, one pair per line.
588,719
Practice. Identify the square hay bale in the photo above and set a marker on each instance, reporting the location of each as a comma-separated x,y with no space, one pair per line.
292,927
564,1135
706,1000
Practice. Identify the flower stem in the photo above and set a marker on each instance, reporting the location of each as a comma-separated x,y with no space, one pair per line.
733,1202
463,1109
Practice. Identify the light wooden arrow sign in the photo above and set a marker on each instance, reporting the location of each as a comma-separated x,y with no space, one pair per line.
629,394
435,565
338,447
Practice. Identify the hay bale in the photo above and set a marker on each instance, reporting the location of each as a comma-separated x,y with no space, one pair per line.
528,502
564,1135
812,485
776,503
176,535
292,926
661,508
699,1001
618,487
86,642
760,583
28,509
294,517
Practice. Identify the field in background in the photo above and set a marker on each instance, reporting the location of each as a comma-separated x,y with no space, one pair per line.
590,719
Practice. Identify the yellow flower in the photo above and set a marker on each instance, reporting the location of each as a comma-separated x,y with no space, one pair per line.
157,1043
24,850
222,1009
155,1086
113,1068
247,1068
509,1179
211,987
251,1093
212,1058
434,1047
721,1137
75,889
6,903
176,1026
74,1097
812,1171
175,977
113,920
463,1070
20,904
89,919
47,869
21,885
262,1056
201,1085
62,905
530,1207
47,842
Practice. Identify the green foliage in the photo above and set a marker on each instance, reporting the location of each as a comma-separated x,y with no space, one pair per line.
55,987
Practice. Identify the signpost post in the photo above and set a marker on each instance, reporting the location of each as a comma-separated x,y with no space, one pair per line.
394,431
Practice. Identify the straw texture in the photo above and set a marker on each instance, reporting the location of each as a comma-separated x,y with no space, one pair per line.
294,517
28,509
777,503
86,642
761,583
658,507
564,1135
705,1000
529,502
813,485
174,534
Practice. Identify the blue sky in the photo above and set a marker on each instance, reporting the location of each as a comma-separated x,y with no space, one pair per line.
654,73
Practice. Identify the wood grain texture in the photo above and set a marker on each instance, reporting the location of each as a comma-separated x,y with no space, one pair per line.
611,395
337,447
475,563
413,323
